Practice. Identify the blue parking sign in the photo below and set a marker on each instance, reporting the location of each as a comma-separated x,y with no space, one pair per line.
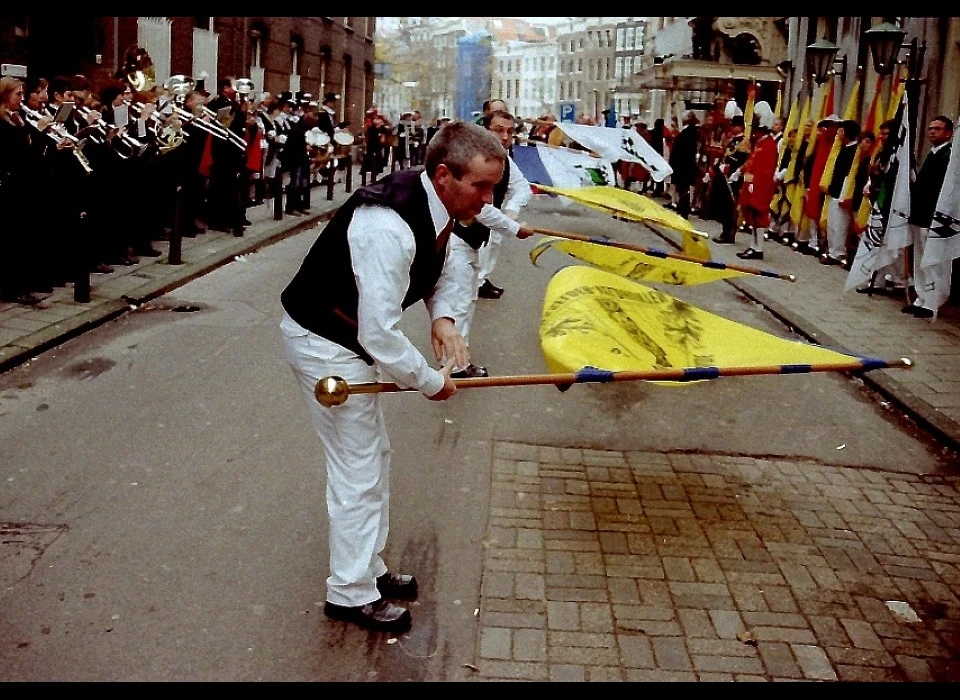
568,112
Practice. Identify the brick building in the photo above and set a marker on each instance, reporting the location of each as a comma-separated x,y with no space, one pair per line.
310,54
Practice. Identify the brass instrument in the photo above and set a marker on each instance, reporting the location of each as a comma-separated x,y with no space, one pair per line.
223,130
178,87
167,127
58,132
123,144
244,86
138,69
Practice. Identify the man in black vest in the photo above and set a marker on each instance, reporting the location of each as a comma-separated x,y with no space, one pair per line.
384,250
476,242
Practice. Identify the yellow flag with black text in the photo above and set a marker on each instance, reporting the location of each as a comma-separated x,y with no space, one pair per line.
594,318
634,265
635,207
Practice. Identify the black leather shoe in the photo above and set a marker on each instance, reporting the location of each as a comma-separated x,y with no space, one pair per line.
471,371
750,254
721,241
398,586
489,291
922,312
148,252
909,309
380,615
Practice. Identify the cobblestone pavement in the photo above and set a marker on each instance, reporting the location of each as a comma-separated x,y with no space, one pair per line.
637,566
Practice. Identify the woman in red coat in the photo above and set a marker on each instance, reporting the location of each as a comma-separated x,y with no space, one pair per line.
756,193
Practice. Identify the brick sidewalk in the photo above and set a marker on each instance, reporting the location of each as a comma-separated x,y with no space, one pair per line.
636,566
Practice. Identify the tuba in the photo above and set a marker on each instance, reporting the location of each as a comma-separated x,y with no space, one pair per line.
138,69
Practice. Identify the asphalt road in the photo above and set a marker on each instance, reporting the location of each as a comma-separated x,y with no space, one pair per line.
162,491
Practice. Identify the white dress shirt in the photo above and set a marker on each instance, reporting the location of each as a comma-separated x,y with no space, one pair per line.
382,247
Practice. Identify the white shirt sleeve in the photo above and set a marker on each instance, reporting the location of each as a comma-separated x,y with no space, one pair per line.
519,194
454,290
382,248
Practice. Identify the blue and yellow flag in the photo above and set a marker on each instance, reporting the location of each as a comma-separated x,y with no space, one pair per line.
635,265
635,207
593,318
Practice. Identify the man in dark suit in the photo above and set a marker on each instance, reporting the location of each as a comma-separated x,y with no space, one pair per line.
931,283
683,160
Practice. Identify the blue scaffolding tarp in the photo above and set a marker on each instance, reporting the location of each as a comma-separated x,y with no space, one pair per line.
474,53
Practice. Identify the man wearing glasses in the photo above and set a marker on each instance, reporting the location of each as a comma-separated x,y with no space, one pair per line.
932,282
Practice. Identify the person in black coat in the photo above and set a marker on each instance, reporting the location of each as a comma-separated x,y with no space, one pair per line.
295,161
931,282
224,198
683,161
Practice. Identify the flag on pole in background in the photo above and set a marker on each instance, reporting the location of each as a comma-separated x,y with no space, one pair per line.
748,114
884,237
594,318
613,145
875,116
943,243
849,113
557,166
896,93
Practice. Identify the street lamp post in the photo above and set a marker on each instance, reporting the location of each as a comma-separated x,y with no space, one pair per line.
885,42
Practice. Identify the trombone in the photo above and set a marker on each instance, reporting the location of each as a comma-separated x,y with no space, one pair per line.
222,130
59,133
131,146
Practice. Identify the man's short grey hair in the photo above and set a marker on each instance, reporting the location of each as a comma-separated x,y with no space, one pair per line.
457,143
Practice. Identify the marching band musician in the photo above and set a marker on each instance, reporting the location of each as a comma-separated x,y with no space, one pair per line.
224,198
273,124
70,180
187,158
295,160
19,251
252,174
328,124
118,175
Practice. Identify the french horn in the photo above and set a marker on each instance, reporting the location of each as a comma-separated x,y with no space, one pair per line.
139,70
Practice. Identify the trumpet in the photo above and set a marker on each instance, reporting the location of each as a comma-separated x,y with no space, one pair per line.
59,133
126,146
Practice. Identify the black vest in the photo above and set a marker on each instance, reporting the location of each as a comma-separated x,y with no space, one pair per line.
476,234
323,296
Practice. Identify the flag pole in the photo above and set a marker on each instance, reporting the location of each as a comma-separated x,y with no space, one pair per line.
712,264
333,390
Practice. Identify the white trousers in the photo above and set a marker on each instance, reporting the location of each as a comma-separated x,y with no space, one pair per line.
489,254
838,227
931,283
357,453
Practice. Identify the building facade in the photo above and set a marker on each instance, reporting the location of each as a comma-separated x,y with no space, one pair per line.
309,54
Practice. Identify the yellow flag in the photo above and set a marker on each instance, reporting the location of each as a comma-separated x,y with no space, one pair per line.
633,264
896,94
849,113
748,115
636,207
593,318
795,165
